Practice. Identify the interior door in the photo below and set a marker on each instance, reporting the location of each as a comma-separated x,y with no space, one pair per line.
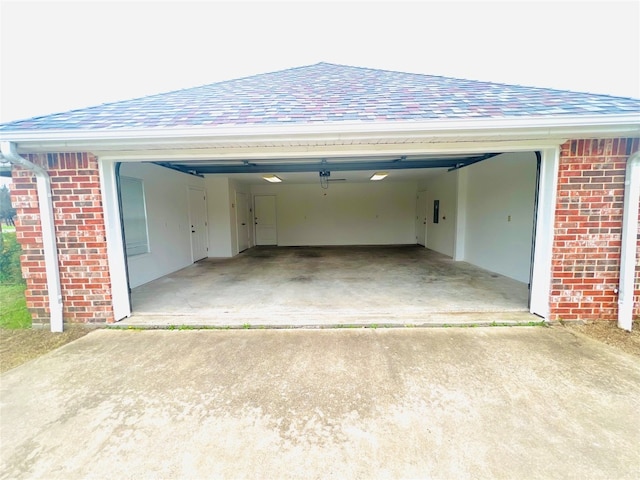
198,223
265,220
242,221
421,218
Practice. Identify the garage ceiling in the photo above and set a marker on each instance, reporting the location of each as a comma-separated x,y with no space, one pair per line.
361,176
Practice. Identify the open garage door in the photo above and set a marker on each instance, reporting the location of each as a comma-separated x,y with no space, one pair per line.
484,216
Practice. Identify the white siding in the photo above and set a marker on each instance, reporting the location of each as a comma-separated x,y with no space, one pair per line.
167,220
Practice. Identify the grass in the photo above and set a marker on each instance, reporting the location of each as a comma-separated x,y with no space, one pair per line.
13,313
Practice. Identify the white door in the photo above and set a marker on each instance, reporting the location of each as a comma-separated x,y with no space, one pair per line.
242,221
198,223
265,220
421,218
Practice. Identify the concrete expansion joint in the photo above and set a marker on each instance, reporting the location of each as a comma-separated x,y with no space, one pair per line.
336,326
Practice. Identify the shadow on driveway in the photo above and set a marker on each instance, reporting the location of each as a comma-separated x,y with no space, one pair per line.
519,402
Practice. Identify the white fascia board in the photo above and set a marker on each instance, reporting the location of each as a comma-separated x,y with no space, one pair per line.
529,128
278,153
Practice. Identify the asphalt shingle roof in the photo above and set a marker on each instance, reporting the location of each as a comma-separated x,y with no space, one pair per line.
326,92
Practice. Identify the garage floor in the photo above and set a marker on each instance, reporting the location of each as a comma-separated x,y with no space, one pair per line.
302,286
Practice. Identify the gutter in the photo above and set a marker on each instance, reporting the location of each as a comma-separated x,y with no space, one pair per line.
629,240
541,128
49,244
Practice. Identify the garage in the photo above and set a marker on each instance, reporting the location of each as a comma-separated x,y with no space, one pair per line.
428,239
319,191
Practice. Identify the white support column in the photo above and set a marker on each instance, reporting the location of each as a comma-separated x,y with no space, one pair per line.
461,214
541,278
115,248
629,243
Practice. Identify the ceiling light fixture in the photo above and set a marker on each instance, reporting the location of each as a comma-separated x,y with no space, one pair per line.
272,178
324,178
378,176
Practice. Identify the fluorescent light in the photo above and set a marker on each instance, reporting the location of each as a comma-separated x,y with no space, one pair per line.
272,178
378,176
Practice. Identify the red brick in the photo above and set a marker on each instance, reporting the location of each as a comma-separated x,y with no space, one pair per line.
74,178
586,248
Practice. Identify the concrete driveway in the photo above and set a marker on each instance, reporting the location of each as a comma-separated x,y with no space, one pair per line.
502,402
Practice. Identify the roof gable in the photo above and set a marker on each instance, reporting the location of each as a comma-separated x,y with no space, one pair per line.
329,93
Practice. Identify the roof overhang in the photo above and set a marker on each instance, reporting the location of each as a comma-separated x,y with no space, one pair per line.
323,139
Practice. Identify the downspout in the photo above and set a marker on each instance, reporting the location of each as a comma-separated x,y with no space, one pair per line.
49,243
629,242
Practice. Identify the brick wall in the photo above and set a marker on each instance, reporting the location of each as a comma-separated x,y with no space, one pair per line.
80,229
586,247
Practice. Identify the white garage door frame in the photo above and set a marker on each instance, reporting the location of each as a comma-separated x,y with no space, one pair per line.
115,245
543,243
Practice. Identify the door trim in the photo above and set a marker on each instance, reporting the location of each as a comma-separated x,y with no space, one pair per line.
247,219
421,221
206,222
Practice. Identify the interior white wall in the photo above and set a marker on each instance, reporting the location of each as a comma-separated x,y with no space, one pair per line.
499,210
374,213
441,236
166,198
221,220
237,187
